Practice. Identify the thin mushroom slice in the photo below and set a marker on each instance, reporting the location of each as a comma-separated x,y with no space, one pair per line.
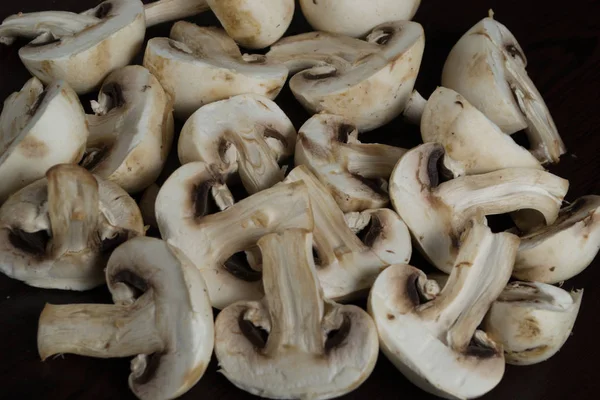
58,232
431,337
367,82
532,321
161,316
39,128
246,136
294,343
436,212
355,173
199,65
487,66
131,132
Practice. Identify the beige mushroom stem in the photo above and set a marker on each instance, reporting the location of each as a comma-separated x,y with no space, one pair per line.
55,23
369,161
161,11
414,108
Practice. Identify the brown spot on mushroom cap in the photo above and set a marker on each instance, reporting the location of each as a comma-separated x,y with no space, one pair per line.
528,328
30,147
256,335
336,337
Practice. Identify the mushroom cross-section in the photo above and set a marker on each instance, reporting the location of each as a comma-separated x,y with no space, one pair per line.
161,316
293,343
59,231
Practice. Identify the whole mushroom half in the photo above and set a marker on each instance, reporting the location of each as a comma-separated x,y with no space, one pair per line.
294,343
487,66
131,132
433,338
59,231
246,136
532,320
436,212
365,81
200,65
39,128
161,316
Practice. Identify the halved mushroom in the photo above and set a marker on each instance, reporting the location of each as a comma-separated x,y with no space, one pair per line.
81,49
294,343
131,132
433,338
532,320
161,316
367,82
39,128
247,135
215,241
487,66
436,212
200,65
58,232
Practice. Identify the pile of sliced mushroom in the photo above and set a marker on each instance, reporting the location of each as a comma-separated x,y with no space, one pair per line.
274,224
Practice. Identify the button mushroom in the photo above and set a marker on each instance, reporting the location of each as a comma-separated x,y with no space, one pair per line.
161,316
294,343
246,134
58,232
39,128
436,212
367,82
433,338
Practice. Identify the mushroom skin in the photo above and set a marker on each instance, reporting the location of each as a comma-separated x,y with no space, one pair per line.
161,316
294,343
58,232
532,321
432,336
39,128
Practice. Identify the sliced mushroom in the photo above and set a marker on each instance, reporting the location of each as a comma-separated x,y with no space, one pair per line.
367,82
532,321
58,232
131,132
433,338
348,262
294,343
200,65
487,66
247,135
161,316
39,128
436,212
160,11
81,49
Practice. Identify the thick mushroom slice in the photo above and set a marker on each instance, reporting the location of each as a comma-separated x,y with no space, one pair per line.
436,212
200,65
350,258
161,316
433,338
367,82
294,343
246,136
532,321
131,132
487,66
39,128
81,49
187,212
58,232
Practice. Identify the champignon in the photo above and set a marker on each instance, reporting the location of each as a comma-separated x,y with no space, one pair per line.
160,11
200,65
487,66
367,82
532,321
59,231
39,128
294,343
433,338
161,316
436,212
247,135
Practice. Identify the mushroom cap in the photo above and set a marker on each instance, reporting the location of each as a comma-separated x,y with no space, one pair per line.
132,132
39,128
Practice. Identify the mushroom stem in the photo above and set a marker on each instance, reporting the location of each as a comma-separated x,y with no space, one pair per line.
161,11
414,108
372,160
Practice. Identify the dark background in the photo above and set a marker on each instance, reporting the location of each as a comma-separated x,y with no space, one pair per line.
561,44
